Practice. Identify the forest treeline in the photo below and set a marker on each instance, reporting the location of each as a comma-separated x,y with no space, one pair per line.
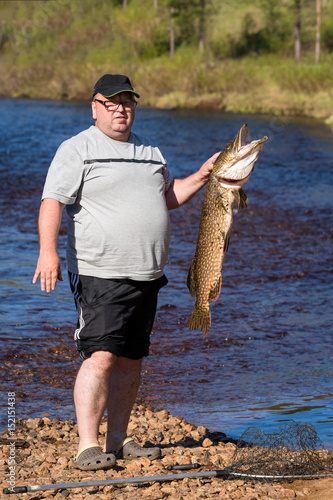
249,55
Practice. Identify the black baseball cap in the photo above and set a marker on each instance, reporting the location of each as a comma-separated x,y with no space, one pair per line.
110,85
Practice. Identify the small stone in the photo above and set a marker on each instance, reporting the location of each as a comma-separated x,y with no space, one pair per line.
59,496
24,472
168,460
229,447
231,487
50,459
132,426
188,427
223,492
109,488
195,435
102,428
287,493
34,423
216,459
169,490
144,461
134,466
236,494
54,434
271,492
158,438
152,493
62,460
207,442
162,415
42,469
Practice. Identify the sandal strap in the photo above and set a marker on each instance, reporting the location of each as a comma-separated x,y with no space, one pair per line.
128,439
91,445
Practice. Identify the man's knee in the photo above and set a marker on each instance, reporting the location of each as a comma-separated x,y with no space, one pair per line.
102,361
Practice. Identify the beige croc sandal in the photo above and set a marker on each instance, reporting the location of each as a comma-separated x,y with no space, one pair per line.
92,457
128,449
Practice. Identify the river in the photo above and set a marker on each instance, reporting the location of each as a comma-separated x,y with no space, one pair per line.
267,359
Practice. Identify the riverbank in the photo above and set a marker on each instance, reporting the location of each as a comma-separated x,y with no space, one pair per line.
253,84
44,449
58,49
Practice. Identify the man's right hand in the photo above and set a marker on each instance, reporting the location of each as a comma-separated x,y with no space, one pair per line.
48,269
48,265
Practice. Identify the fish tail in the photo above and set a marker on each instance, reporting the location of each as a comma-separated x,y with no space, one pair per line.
191,279
200,318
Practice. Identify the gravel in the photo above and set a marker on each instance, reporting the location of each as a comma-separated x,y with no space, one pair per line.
44,449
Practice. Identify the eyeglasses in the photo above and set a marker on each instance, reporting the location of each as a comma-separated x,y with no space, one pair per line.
113,106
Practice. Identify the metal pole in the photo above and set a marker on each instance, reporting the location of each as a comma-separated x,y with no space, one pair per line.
86,484
162,478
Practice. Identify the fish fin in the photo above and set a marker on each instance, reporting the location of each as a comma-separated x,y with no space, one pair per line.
191,280
236,196
226,244
200,318
216,289
243,199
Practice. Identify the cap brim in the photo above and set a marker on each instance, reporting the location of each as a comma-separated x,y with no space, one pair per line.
119,92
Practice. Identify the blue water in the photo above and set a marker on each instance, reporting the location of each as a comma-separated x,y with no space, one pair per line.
268,356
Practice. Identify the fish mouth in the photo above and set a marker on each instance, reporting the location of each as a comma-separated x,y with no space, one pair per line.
243,138
244,156
234,182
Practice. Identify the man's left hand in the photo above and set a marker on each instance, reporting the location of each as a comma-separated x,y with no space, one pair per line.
207,167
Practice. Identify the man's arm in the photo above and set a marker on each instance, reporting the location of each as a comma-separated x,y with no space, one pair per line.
48,264
182,190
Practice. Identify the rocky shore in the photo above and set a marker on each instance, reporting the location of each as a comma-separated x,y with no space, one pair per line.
44,449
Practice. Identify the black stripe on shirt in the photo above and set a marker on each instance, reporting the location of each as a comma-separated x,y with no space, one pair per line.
122,160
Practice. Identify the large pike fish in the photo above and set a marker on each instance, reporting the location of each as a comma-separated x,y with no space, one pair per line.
231,170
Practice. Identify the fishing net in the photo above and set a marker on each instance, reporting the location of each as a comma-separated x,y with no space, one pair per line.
293,451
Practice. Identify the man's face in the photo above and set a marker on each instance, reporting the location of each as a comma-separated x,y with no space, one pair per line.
116,124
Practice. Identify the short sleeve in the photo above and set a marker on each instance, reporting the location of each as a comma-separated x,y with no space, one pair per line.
168,180
65,175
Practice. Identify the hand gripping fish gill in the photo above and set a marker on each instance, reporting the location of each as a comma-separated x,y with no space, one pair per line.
231,170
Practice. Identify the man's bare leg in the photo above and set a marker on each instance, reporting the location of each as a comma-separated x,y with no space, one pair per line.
124,386
91,394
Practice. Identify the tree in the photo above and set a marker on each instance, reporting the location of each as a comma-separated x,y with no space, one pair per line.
201,34
187,22
317,49
172,42
297,30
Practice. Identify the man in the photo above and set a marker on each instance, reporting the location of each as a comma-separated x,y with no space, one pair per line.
117,191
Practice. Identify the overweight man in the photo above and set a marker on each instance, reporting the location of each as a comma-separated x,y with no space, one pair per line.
117,191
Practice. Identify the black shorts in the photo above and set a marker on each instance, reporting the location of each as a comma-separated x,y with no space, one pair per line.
114,315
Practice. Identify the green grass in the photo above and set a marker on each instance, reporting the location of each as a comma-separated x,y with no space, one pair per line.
57,49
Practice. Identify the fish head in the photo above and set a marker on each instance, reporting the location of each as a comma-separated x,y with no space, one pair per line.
234,165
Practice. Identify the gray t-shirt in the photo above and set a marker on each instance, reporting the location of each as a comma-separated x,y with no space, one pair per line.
115,197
